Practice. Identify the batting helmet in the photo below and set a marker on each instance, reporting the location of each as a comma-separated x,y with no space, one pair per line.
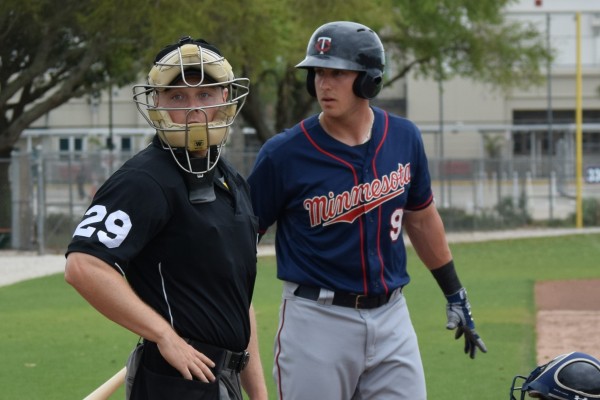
348,46
572,376
173,67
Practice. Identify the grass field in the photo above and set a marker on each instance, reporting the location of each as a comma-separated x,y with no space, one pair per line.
53,345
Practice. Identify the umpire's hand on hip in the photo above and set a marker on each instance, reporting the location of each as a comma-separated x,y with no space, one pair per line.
458,311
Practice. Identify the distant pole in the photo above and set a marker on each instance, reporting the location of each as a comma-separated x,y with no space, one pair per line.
549,117
578,132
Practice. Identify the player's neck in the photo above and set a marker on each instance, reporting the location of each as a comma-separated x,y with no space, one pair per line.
353,129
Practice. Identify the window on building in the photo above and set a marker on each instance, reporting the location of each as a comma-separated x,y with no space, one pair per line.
126,144
591,142
64,145
70,144
78,147
525,139
70,147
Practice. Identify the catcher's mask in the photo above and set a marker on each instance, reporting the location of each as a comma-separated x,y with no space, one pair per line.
174,67
572,376
348,46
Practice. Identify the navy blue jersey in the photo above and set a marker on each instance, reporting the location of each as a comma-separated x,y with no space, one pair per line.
195,264
339,208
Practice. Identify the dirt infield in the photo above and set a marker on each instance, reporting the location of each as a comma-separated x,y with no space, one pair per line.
568,318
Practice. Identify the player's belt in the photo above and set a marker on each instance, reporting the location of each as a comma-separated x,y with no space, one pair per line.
230,359
344,299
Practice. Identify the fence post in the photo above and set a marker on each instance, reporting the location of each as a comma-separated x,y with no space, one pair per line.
480,179
529,203
553,192
515,189
20,182
41,201
15,184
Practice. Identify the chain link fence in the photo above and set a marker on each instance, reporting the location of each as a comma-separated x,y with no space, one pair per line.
50,191
46,194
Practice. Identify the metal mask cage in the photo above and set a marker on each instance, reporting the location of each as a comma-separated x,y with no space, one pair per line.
181,139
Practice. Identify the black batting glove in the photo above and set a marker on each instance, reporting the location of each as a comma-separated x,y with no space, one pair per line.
458,311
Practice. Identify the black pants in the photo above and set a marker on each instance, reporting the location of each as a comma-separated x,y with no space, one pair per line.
156,379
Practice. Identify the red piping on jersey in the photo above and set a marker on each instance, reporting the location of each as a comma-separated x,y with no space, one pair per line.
279,351
360,221
374,167
423,205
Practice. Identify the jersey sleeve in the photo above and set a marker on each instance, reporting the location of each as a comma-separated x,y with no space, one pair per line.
265,189
128,210
420,195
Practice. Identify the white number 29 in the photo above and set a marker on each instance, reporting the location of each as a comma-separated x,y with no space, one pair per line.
396,224
118,225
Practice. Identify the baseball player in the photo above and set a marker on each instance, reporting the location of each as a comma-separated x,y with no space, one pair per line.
571,376
342,186
167,221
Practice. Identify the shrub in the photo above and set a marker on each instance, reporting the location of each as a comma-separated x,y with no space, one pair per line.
591,212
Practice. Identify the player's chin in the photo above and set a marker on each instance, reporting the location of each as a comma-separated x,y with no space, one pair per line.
328,105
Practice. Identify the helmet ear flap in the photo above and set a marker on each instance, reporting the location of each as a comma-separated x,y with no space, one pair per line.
367,84
310,82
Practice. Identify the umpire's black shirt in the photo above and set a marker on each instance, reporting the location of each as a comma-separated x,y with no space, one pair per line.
193,263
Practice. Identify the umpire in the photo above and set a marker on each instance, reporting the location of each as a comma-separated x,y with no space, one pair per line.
167,222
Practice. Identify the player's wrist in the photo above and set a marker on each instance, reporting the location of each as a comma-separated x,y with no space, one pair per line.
458,299
447,279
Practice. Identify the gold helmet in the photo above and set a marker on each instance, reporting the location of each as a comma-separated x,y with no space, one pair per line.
173,67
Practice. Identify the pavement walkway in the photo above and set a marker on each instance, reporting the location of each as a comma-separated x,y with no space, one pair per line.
16,266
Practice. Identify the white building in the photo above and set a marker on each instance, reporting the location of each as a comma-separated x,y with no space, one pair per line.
469,113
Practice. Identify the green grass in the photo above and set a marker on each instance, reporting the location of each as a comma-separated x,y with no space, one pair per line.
53,345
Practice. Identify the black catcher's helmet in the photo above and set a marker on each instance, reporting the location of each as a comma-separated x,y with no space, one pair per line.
348,46
572,376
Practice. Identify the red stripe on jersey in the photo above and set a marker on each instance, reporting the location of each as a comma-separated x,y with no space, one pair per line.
422,205
362,239
374,167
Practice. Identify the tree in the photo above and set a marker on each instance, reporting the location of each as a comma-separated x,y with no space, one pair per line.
53,52
469,38
56,53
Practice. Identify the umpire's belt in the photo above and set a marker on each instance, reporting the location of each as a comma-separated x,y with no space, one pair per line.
343,299
225,359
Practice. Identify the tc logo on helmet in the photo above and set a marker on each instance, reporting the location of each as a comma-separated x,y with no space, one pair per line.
323,44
